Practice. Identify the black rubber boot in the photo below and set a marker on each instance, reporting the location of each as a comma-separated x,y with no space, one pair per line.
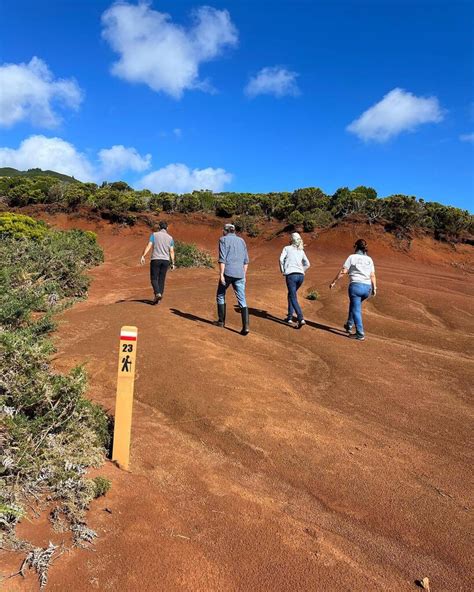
245,321
221,315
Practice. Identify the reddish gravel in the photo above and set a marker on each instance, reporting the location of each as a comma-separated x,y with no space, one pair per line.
285,460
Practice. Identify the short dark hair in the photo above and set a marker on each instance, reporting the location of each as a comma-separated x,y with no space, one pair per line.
361,245
163,225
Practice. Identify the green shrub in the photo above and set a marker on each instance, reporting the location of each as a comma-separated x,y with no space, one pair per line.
309,198
226,206
295,218
189,255
246,224
101,486
50,432
189,202
312,294
20,226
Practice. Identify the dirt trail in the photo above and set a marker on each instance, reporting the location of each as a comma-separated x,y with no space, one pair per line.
286,460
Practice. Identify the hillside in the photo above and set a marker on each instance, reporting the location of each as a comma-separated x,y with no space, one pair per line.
286,460
32,173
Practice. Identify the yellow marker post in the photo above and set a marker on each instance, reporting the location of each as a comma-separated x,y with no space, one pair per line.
124,400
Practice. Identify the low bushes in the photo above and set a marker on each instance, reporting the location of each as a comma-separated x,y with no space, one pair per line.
50,433
19,226
308,207
189,255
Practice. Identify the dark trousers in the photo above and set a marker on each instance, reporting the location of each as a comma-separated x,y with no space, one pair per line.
158,269
294,281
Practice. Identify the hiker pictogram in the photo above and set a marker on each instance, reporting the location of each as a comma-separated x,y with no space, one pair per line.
126,364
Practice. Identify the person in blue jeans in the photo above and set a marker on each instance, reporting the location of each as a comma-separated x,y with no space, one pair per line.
293,265
362,284
233,265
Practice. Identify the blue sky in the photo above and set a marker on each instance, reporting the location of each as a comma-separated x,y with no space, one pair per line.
245,96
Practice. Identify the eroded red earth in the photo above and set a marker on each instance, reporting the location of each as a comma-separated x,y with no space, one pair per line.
285,460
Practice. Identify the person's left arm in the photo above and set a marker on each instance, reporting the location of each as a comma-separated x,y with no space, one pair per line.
373,279
222,259
172,255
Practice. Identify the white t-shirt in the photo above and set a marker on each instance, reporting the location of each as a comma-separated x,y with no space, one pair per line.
360,267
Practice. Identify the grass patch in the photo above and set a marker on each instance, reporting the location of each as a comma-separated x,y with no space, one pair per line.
101,485
312,294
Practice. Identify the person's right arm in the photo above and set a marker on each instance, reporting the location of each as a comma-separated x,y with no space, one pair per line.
282,260
222,258
344,270
145,252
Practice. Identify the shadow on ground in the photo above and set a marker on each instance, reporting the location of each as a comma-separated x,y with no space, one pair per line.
141,300
191,317
263,314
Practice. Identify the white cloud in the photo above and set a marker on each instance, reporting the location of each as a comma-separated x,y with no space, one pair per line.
179,178
467,138
161,54
61,156
118,158
30,92
397,112
48,153
178,132
273,80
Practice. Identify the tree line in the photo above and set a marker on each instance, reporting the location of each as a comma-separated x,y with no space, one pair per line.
307,208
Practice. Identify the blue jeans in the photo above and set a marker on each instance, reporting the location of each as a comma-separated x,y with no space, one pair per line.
294,281
357,294
238,285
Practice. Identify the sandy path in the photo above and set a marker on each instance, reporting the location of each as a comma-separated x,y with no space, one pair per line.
287,460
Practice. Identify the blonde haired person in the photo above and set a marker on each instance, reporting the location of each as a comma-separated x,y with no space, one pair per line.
293,265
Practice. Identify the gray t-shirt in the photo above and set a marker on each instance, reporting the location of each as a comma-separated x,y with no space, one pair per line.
233,252
360,267
293,260
162,243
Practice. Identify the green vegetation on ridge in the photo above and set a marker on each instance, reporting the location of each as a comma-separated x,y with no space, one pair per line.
307,208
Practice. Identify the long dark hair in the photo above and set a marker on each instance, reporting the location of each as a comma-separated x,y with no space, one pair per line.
361,245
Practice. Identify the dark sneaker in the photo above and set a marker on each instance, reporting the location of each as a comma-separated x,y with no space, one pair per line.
157,299
357,336
348,328
300,324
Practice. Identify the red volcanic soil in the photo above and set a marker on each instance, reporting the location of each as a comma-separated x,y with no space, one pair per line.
285,460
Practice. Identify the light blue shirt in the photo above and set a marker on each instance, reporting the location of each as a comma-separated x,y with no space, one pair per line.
233,253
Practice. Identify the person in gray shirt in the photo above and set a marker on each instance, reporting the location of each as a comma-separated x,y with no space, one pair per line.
233,264
162,246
